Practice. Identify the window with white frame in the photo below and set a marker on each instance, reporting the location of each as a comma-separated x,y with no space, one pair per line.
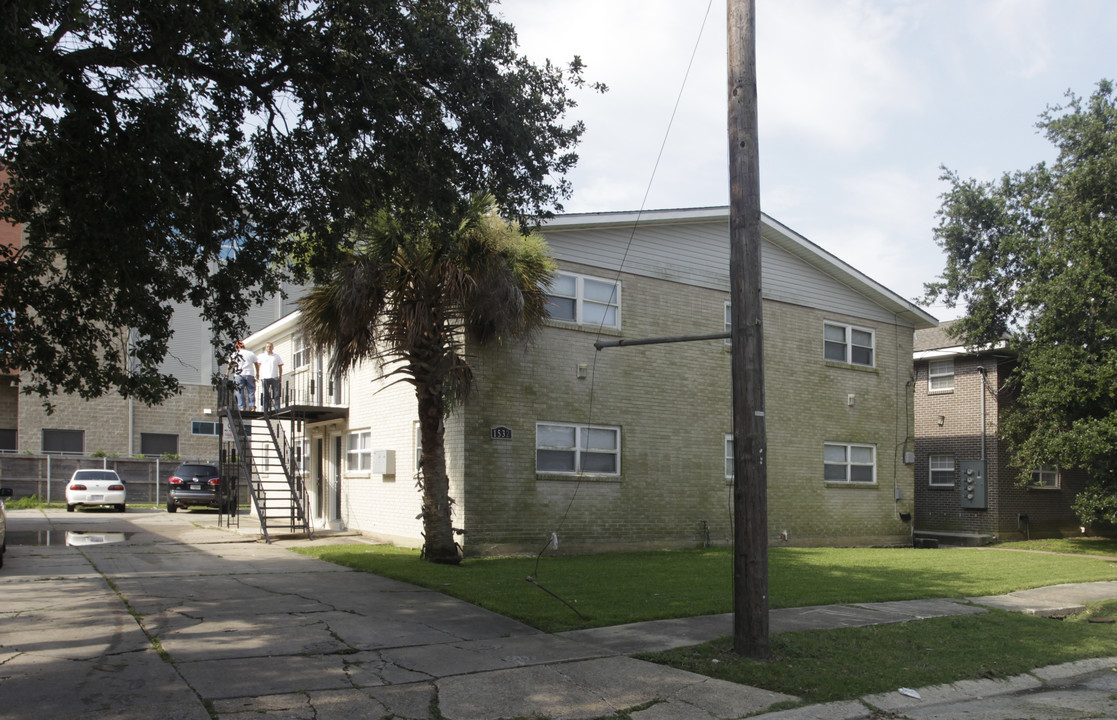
300,357
417,446
728,322
940,375
729,474
942,470
204,427
585,300
358,454
1045,476
570,448
848,344
849,463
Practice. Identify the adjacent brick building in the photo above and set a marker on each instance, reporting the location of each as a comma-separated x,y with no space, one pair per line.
960,398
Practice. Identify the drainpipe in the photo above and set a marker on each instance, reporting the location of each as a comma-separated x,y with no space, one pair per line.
984,380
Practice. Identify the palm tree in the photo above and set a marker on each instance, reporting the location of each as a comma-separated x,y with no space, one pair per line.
410,297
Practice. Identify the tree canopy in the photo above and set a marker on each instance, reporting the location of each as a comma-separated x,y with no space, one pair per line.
168,152
1033,258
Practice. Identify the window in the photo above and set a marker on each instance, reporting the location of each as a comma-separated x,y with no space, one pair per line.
942,470
156,444
849,463
1045,476
848,344
728,322
203,427
417,446
300,357
358,456
566,448
940,375
729,474
8,440
63,441
585,300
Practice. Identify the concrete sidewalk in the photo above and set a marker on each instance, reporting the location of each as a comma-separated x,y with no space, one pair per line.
151,614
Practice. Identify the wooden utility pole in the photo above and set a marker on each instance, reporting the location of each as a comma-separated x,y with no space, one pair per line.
750,492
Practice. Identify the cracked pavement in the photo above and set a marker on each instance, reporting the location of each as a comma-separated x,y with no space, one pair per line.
186,620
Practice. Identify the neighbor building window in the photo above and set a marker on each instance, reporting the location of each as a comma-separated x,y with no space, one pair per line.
568,448
1045,476
940,375
158,444
848,344
203,427
358,454
729,474
8,438
585,300
942,470
63,441
849,463
728,323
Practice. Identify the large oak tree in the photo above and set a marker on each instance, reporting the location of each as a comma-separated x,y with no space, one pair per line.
1033,258
184,151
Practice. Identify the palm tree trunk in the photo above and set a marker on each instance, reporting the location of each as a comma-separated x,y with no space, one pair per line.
438,531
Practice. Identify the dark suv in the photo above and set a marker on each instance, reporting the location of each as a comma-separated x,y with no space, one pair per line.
199,484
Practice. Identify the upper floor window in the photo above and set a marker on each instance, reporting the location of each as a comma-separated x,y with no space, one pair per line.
849,463
942,470
573,448
300,357
204,427
63,441
848,344
940,375
1045,476
585,300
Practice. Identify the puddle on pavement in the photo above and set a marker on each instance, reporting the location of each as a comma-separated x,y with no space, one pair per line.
59,538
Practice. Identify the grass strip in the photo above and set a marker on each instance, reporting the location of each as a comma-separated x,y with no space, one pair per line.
828,665
617,588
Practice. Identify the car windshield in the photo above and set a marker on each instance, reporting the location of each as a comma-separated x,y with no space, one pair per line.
189,471
95,475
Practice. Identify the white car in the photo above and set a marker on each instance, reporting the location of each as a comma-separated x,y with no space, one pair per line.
95,487
4,493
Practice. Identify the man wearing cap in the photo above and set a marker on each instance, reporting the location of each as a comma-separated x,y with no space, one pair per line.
246,369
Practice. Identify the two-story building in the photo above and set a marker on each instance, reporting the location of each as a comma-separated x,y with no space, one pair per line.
630,447
967,491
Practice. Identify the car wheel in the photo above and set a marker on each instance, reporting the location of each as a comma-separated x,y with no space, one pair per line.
69,507
120,507
171,507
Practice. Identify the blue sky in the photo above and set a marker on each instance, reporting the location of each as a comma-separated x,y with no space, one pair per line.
860,103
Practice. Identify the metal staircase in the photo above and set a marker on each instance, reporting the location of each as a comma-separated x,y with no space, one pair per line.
256,453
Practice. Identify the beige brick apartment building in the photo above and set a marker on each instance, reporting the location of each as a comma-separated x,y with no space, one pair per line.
627,447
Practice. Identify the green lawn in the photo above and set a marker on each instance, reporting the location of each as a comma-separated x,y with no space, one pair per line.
611,589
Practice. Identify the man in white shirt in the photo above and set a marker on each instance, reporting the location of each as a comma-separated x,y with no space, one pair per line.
271,373
244,370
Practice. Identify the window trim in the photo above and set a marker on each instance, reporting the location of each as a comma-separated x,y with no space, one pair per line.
579,298
932,376
1042,470
300,352
729,458
362,454
848,463
931,470
579,428
848,343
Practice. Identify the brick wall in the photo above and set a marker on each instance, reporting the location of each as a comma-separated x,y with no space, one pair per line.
673,405
950,423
